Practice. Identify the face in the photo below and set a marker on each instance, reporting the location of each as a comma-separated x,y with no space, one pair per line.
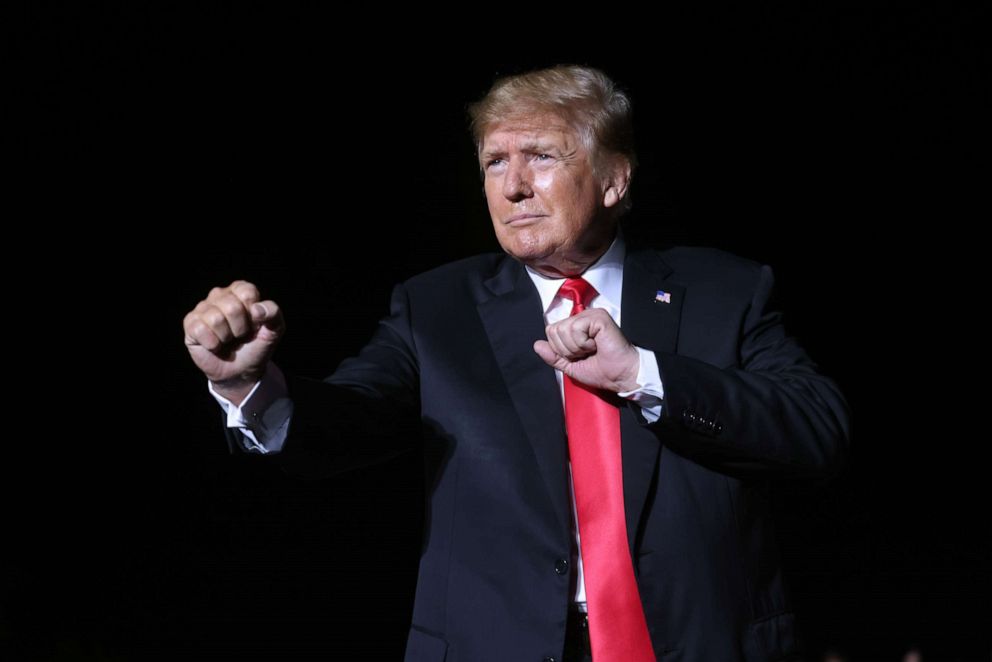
549,209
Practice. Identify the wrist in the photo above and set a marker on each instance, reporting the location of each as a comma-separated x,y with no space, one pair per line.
237,389
628,380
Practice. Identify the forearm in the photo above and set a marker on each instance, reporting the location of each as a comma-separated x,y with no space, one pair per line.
338,428
789,422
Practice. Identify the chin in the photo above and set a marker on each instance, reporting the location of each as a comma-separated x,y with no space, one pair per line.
528,252
529,242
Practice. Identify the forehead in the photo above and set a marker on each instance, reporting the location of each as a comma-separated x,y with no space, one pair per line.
532,130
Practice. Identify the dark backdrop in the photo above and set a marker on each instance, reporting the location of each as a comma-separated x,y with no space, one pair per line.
324,155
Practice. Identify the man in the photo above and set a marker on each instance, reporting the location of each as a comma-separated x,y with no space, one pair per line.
597,475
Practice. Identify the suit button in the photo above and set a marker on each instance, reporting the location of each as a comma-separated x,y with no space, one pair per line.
549,659
561,566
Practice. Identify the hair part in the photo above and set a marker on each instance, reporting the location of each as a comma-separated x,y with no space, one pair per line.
584,97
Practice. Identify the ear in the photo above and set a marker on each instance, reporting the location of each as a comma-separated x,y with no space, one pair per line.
616,182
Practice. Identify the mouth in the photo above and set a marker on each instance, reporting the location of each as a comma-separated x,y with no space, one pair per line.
523,219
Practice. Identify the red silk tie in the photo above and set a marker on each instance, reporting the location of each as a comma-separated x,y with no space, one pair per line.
618,631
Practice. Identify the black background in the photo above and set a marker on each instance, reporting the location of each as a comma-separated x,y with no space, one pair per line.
324,155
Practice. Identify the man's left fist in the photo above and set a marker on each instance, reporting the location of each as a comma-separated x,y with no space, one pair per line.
590,348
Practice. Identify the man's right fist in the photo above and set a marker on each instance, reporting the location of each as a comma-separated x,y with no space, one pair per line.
231,334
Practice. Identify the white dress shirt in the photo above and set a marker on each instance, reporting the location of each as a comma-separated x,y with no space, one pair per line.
263,417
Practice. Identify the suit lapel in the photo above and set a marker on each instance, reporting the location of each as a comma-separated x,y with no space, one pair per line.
652,325
514,319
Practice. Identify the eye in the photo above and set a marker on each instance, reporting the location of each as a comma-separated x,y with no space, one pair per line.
492,162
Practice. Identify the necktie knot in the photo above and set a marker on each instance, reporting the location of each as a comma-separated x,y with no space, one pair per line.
579,292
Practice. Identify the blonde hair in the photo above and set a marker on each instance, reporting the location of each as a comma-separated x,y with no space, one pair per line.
586,98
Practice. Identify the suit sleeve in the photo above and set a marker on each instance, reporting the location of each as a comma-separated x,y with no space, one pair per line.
365,412
772,414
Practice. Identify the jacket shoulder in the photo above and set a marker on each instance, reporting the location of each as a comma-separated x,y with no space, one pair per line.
708,260
465,275
715,275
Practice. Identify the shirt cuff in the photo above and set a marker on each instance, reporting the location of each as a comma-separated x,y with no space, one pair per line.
263,416
650,392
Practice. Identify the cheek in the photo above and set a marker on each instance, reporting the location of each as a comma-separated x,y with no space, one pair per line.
490,202
545,181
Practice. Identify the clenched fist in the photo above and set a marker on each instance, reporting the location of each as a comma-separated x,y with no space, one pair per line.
230,336
590,348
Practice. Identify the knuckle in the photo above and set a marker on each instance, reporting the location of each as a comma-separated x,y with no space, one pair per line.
214,318
210,341
202,334
192,323
245,290
231,307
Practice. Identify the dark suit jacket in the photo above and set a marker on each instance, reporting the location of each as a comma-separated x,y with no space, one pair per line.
452,368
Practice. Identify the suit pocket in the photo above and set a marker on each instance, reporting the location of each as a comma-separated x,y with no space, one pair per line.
424,647
771,639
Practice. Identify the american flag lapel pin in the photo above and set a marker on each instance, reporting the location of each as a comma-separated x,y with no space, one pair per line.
663,297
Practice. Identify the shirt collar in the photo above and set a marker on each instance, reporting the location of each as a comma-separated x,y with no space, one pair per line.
605,275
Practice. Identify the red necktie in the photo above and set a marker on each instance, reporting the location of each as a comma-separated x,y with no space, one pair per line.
618,631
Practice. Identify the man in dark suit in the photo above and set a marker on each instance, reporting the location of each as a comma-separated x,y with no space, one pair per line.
632,523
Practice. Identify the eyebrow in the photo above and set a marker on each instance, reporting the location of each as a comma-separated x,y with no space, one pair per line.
530,146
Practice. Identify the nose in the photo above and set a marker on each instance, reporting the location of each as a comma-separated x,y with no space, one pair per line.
516,182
